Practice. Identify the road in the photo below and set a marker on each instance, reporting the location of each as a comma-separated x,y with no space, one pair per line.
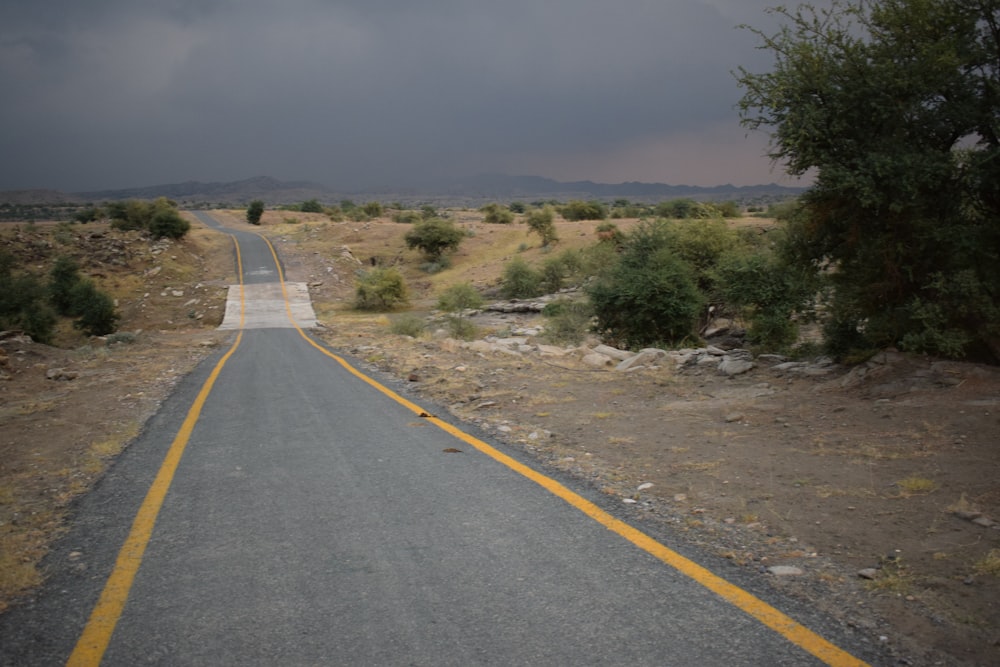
282,510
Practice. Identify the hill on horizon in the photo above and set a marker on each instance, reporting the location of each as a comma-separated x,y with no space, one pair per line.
472,191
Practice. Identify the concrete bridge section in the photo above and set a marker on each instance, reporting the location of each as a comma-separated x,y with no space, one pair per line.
265,307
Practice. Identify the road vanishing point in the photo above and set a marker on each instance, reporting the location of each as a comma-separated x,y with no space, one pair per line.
285,508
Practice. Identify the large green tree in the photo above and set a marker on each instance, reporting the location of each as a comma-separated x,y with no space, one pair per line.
894,107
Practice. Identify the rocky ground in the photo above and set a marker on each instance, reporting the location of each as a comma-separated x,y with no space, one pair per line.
875,485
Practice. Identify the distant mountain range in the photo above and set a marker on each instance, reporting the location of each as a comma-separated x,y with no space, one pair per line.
466,192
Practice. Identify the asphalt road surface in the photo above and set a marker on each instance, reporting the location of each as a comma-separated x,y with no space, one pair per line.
313,519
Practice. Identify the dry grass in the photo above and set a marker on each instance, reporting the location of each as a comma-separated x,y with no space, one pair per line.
989,564
915,486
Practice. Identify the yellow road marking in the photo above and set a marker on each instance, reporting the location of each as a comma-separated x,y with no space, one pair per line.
784,625
96,635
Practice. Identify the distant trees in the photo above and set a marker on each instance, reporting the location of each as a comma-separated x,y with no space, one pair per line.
255,212
584,210
159,217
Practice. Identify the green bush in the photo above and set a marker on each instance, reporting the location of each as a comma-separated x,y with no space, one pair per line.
650,296
408,217
520,280
460,297
311,206
584,210
434,237
495,214
95,309
379,289
166,222
63,277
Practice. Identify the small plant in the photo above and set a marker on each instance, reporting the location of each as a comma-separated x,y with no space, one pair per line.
121,337
382,288
408,324
456,300
913,485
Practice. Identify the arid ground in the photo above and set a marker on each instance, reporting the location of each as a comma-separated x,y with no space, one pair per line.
879,482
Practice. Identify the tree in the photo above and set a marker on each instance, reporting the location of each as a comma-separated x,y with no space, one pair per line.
255,211
434,237
584,210
542,222
895,107
311,206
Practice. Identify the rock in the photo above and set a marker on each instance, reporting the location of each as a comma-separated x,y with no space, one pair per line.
644,486
613,352
868,573
984,521
785,570
648,357
61,374
598,360
734,417
730,366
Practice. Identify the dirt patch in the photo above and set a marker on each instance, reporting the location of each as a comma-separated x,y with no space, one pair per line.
889,468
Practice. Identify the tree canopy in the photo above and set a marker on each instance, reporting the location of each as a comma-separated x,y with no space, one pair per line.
894,107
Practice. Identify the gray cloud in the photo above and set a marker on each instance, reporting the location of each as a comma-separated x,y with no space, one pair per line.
375,92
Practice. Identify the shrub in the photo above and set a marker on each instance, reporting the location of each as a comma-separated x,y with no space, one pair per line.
567,321
96,310
497,214
63,277
255,211
584,210
434,237
650,296
408,217
407,324
311,206
520,280
460,297
166,222
542,222
381,288
373,209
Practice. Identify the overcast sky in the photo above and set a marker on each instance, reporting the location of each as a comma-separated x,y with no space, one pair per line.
376,93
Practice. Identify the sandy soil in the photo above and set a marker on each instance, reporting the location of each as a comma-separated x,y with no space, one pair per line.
894,470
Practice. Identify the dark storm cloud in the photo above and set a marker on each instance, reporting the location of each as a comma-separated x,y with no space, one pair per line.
376,92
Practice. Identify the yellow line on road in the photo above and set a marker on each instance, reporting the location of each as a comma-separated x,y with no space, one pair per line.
784,625
96,635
